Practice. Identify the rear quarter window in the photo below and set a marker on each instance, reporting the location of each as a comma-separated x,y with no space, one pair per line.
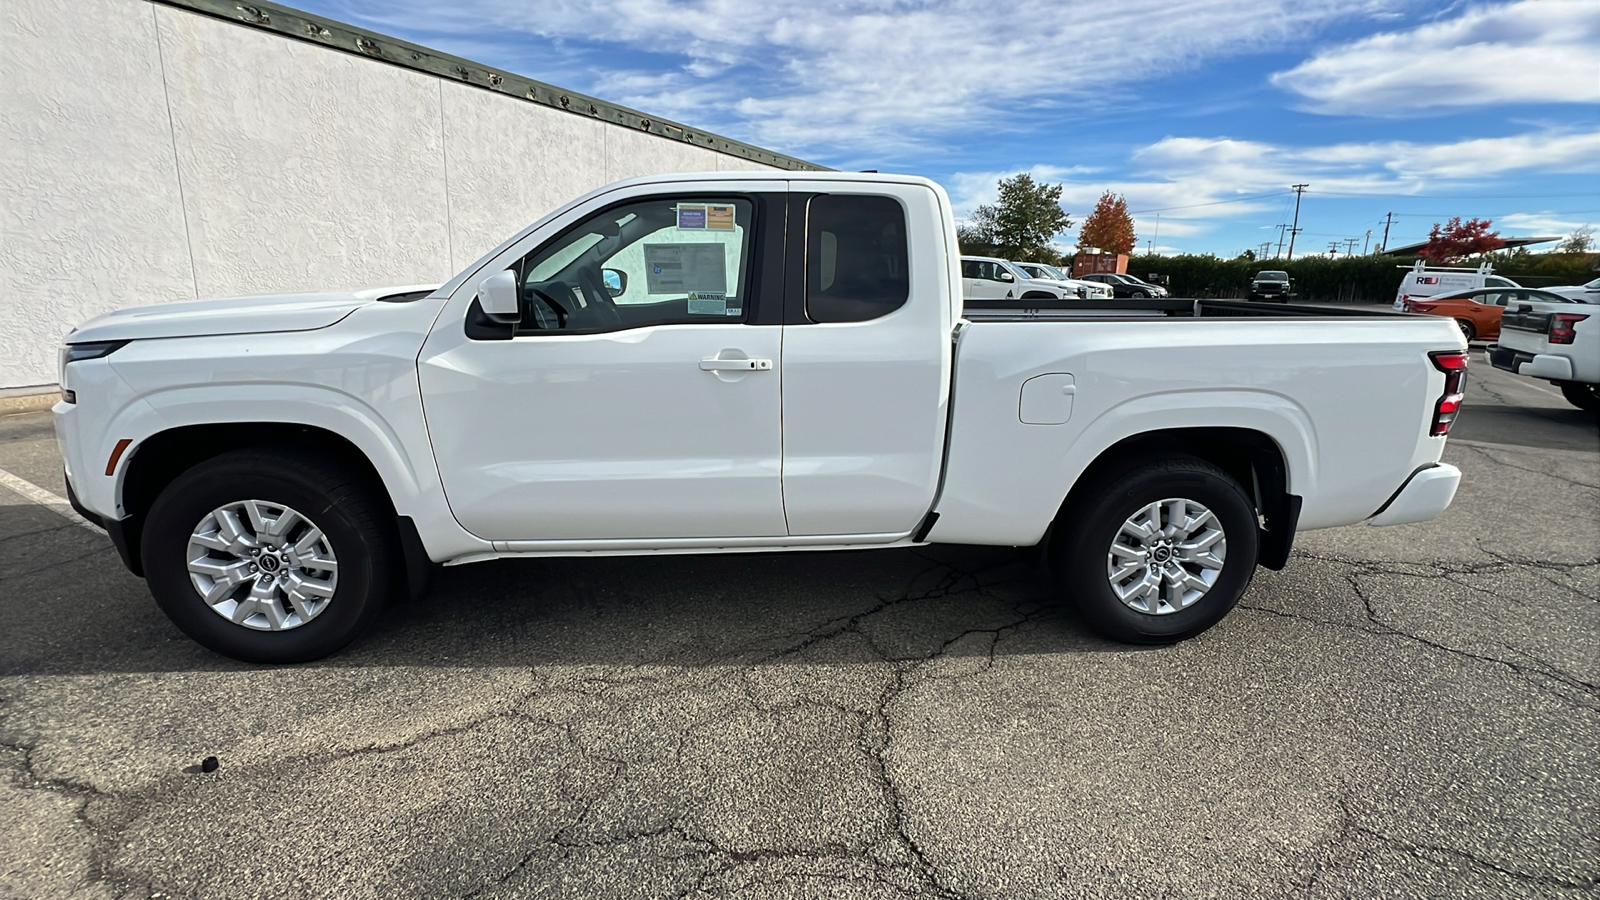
857,261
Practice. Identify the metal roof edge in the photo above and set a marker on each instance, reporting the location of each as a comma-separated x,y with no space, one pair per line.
298,25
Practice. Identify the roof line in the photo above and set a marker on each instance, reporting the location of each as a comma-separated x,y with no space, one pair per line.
298,25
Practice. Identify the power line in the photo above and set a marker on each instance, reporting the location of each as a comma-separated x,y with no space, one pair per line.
1452,197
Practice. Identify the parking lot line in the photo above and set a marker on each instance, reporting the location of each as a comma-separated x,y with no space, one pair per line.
33,493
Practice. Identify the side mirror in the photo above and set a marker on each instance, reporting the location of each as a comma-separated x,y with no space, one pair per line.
616,281
498,298
1006,276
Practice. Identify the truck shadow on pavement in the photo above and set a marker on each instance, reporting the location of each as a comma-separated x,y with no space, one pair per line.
67,607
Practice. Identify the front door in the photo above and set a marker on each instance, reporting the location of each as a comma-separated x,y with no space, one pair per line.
636,398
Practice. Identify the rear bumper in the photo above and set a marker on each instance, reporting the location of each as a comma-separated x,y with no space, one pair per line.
1426,494
1533,365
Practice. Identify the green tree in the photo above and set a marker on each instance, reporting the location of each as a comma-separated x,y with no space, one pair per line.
1020,224
1581,240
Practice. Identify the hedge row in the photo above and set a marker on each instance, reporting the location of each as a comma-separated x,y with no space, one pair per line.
1349,279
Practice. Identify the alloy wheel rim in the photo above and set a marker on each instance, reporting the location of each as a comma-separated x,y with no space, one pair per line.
262,565
1166,556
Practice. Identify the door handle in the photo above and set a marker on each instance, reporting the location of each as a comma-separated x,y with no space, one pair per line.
735,365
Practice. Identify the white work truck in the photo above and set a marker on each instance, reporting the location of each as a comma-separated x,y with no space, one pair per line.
733,362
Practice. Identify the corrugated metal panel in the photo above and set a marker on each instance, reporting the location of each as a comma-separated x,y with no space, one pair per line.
293,23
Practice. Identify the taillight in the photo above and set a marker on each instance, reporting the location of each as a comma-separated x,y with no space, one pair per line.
1561,327
1453,363
1422,307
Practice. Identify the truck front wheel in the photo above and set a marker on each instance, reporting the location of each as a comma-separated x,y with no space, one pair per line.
271,556
1161,553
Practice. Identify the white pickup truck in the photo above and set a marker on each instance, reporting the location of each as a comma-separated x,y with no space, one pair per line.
1560,344
733,362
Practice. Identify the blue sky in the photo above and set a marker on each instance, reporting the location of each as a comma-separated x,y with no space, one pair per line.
1201,113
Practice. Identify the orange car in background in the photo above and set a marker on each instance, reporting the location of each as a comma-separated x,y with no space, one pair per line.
1478,311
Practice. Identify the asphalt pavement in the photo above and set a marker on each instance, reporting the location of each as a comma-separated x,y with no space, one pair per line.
1410,711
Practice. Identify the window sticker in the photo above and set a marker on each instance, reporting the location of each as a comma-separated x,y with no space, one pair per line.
685,268
692,217
719,218
708,303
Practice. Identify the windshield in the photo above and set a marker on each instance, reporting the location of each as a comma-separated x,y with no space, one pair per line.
1272,276
1057,274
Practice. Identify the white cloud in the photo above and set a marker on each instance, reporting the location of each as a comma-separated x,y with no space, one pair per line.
1538,224
1530,51
1194,184
882,74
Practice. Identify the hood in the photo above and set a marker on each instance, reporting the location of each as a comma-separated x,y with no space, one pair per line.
235,315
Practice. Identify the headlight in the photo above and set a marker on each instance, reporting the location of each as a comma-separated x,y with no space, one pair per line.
72,353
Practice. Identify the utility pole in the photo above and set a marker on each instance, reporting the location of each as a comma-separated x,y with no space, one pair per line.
1265,246
1350,250
1281,227
1295,228
1366,241
1333,248
1389,217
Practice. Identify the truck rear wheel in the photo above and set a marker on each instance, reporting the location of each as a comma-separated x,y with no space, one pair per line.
1584,396
1161,553
269,556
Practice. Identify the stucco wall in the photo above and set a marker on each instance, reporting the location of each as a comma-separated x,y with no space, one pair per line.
150,154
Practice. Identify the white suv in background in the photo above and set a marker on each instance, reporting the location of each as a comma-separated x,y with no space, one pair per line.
1583,293
987,278
1087,290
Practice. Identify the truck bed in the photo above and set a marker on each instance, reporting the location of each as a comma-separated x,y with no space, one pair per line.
1171,307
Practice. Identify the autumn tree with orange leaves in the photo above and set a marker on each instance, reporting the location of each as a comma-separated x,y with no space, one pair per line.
1109,227
1457,240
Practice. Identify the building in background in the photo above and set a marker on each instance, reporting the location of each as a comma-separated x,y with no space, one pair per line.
158,151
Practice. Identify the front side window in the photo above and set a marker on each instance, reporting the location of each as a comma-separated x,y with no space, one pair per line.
661,261
857,261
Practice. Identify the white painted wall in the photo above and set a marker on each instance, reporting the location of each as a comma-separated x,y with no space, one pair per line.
149,154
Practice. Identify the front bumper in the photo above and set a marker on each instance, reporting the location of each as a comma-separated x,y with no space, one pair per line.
1426,494
117,529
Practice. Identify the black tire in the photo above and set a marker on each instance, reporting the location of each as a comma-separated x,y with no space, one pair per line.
355,521
1584,396
1467,329
1091,523
1139,294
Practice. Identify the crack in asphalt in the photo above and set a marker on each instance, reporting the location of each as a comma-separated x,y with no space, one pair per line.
874,733
915,873
86,794
1531,674
1422,852
1485,451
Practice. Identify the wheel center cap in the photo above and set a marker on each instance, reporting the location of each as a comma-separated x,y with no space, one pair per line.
269,563
1161,554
